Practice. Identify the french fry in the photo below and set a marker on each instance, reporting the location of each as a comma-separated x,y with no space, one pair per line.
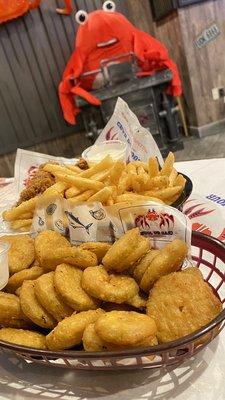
26,216
73,168
54,168
157,182
172,177
72,192
80,182
132,197
143,177
124,183
135,184
171,200
153,167
166,193
20,223
131,168
101,176
103,195
25,228
81,197
57,189
110,201
168,165
25,207
106,163
116,172
141,164
180,181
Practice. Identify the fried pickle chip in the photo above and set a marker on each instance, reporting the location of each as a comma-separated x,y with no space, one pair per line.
98,248
67,281
126,251
11,314
93,342
69,332
143,265
125,328
63,252
169,259
137,302
110,288
33,309
48,298
9,306
23,338
17,279
181,303
21,253
46,241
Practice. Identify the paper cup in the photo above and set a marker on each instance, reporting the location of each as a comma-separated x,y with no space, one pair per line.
4,267
114,148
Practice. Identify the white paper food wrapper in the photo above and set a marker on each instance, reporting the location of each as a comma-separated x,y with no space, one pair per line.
125,126
27,163
92,222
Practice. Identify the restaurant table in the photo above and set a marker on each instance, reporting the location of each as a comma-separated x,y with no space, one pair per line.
199,378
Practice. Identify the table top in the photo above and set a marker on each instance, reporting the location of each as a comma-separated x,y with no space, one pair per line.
200,378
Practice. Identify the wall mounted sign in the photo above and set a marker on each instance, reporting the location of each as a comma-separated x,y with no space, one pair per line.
207,36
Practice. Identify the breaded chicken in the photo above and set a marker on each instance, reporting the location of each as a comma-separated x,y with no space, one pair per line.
41,181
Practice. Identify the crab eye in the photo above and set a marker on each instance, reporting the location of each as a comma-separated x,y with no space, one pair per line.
81,17
109,6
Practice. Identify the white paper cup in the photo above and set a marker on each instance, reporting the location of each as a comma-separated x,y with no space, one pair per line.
114,148
4,266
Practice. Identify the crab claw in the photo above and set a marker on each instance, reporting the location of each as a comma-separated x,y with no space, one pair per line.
70,111
78,91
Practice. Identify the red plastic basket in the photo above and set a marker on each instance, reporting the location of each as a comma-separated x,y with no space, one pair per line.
209,255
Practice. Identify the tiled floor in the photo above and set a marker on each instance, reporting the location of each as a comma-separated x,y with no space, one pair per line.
207,147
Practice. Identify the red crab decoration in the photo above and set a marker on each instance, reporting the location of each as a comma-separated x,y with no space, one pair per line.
106,34
11,9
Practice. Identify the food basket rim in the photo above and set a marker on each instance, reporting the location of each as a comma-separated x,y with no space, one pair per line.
161,348
185,193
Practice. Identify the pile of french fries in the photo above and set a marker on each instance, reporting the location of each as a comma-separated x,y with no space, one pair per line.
109,182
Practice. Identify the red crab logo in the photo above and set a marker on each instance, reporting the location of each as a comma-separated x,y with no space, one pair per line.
163,220
30,174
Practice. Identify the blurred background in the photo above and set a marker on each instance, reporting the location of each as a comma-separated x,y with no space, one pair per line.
35,48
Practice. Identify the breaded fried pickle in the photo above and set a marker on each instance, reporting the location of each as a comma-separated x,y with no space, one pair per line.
48,298
23,338
98,248
33,309
181,303
67,281
21,253
125,328
126,251
113,288
17,279
169,259
69,332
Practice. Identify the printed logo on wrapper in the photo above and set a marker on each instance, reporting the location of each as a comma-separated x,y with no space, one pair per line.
161,224
125,126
